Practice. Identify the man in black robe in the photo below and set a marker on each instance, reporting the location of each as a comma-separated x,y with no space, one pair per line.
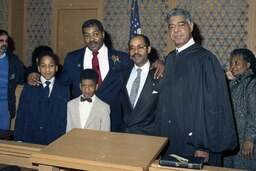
194,110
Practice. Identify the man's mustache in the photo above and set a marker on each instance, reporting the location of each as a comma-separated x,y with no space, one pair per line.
136,54
93,42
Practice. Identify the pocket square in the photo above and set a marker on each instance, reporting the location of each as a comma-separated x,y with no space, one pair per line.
154,92
12,76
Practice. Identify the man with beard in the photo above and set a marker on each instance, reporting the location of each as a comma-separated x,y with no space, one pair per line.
11,74
139,94
107,62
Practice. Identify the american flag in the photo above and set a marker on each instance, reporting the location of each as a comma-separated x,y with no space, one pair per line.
135,20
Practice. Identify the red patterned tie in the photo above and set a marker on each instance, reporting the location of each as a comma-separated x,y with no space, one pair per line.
96,66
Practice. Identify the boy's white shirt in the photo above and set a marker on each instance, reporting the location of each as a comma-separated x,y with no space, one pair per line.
85,110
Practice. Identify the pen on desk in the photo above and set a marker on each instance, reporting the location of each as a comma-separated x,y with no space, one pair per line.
179,158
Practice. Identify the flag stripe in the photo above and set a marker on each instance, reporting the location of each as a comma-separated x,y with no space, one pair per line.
135,27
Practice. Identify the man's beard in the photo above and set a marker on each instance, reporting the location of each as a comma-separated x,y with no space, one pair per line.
3,48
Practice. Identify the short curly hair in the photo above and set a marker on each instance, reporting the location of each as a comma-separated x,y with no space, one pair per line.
247,55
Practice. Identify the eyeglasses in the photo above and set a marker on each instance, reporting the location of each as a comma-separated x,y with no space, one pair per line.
2,41
139,48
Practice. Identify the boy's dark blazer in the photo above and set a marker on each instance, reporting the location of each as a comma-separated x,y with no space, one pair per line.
141,118
109,90
28,110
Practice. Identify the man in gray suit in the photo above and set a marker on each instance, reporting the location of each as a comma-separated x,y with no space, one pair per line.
87,111
139,95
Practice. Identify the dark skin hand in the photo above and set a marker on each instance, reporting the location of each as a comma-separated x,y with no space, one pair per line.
159,65
204,154
33,79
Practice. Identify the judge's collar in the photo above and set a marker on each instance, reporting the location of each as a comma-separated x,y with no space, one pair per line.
188,44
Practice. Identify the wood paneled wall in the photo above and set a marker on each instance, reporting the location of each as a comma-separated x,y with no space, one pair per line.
68,16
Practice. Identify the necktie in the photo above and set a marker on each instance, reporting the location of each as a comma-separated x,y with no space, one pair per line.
96,66
177,51
135,87
47,89
82,99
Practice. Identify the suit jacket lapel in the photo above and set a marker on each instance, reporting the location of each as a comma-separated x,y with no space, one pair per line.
111,72
76,112
92,114
145,94
146,90
80,62
37,91
126,76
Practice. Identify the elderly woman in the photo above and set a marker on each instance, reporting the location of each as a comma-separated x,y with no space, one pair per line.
243,95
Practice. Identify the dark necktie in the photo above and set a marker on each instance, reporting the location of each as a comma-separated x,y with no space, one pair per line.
96,66
82,99
177,51
135,87
47,89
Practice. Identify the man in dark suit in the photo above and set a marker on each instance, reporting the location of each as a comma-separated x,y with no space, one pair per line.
139,104
107,62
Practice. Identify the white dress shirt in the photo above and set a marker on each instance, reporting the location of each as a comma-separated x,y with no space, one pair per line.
1,57
43,80
85,110
102,57
133,75
188,44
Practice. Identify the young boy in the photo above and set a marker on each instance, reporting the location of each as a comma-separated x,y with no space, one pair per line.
88,111
42,111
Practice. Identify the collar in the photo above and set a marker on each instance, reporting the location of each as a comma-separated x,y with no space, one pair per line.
102,49
93,97
43,80
1,57
144,68
188,44
241,77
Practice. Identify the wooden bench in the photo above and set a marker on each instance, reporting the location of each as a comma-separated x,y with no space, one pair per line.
15,153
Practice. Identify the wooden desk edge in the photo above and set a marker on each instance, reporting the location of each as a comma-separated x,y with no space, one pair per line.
156,167
16,153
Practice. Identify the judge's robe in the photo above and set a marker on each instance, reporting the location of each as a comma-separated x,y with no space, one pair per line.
194,109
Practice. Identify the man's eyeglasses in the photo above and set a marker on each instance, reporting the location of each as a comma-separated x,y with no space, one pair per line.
139,48
2,41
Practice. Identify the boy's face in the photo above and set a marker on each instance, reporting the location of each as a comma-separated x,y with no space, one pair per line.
88,88
47,67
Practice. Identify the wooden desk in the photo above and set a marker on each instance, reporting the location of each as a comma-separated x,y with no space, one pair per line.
14,153
99,150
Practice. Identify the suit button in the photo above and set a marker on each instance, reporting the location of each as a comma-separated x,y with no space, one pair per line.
41,128
169,122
